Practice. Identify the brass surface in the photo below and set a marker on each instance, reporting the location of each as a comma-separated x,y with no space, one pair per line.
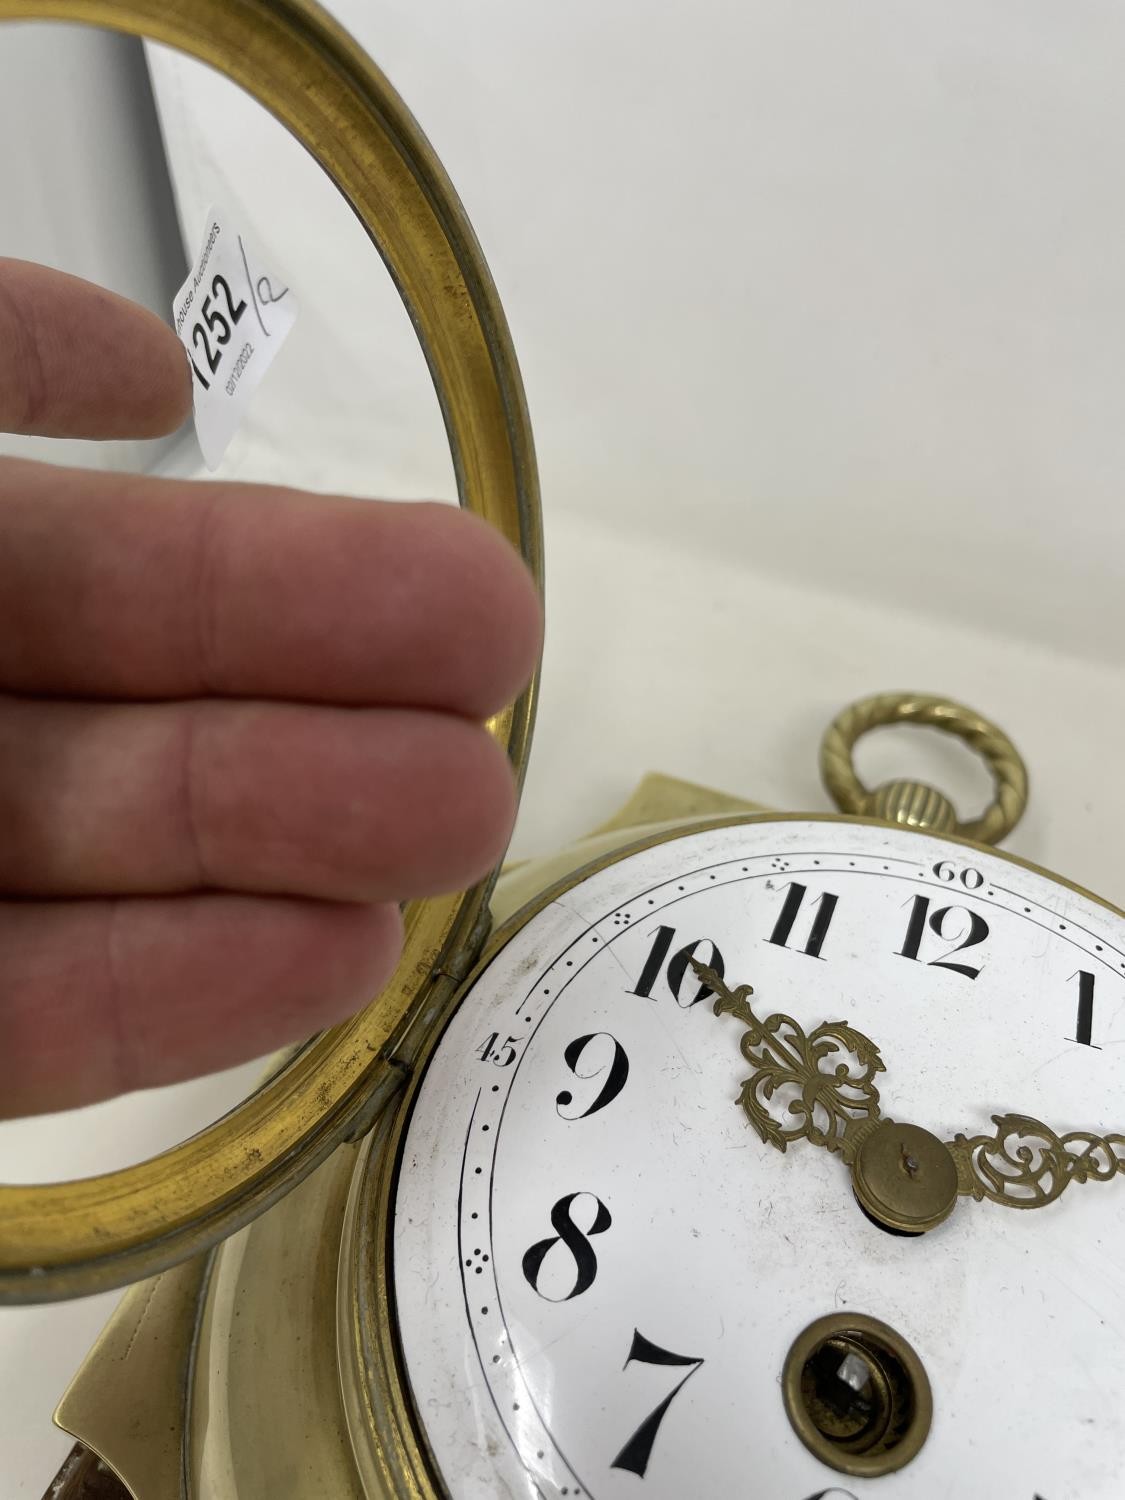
387,1437
661,799
67,1239
304,1289
266,1411
128,1401
1025,1164
913,804
390,1455
816,1087
388,1440
905,1177
868,1437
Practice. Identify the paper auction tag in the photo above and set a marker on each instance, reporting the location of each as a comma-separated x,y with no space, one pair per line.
232,316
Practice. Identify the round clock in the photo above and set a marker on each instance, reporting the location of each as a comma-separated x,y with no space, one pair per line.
766,1152
731,1152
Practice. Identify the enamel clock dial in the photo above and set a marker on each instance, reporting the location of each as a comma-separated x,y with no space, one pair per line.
609,1281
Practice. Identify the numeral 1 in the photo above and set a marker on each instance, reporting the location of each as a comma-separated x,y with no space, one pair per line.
1084,1026
654,962
638,1450
823,906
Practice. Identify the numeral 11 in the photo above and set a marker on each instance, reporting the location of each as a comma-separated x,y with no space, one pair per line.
823,906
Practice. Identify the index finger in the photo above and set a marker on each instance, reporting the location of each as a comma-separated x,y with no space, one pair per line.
125,586
78,361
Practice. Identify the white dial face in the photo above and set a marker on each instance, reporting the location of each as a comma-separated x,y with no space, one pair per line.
599,1265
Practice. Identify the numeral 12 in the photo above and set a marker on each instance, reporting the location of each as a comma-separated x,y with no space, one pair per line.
916,931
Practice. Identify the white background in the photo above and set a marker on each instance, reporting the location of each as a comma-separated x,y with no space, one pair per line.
819,309
84,185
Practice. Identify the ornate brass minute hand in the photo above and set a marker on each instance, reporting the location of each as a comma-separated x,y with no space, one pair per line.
818,1086
1025,1164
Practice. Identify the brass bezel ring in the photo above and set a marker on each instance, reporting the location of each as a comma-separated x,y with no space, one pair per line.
881,1336
1009,774
71,1238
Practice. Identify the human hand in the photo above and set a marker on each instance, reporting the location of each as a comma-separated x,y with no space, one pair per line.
238,725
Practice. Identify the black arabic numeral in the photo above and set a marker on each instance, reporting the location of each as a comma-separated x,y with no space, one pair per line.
677,967
199,332
946,870
654,962
832,1494
234,313
1084,1027
916,931
215,322
824,906
638,1450
616,1074
568,1233
502,1056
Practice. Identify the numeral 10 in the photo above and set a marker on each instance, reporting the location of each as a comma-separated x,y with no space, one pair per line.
677,967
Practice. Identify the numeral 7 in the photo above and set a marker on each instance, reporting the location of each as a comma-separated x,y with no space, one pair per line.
637,1451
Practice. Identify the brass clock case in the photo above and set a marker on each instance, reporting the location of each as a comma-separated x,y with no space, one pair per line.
201,1349
388,1447
68,1239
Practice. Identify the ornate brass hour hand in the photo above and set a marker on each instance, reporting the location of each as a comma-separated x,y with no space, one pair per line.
818,1086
